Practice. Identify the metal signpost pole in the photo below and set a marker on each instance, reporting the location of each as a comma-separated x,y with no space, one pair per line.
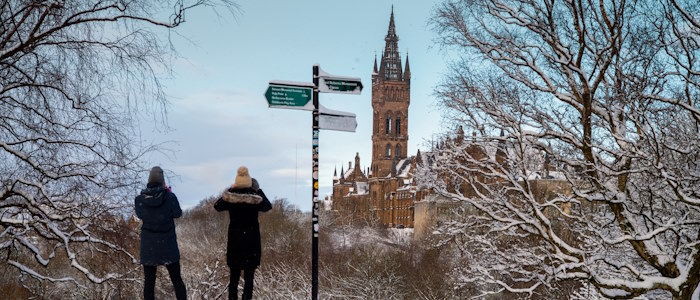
297,95
314,194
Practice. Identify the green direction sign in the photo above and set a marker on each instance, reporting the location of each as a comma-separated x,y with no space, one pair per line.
340,85
289,95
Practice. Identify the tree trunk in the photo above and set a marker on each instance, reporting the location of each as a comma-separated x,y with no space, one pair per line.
688,288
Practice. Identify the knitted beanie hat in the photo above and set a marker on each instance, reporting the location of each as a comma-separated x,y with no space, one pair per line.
156,175
243,179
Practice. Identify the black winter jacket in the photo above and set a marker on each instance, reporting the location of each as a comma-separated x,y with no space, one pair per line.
243,248
157,208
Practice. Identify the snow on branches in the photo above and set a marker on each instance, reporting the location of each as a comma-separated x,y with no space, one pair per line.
74,76
607,94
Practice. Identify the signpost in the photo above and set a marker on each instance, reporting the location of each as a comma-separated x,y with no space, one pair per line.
337,120
314,188
287,94
339,84
296,95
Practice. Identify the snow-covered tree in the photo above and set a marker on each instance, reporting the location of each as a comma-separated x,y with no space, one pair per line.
74,78
607,93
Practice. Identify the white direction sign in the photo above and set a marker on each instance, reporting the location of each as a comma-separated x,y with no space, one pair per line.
328,83
336,120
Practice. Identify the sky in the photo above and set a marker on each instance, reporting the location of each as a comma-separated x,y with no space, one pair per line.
218,117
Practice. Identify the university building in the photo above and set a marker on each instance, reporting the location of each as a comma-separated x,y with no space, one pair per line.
384,192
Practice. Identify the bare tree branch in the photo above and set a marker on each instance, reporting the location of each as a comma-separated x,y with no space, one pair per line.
75,77
606,91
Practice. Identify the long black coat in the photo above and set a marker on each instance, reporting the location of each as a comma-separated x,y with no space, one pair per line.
243,247
157,208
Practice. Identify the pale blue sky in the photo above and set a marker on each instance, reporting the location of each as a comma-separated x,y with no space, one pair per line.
219,116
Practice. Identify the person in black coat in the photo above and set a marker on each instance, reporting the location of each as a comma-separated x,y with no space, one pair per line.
243,201
157,206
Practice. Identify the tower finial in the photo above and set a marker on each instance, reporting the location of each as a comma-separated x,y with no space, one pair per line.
407,70
392,27
375,63
390,65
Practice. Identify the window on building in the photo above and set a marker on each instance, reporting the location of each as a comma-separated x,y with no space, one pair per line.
398,126
388,125
398,150
388,150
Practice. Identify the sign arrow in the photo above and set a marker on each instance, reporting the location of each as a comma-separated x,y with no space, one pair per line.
338,84
290,95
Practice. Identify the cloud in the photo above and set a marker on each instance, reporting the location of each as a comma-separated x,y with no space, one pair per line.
212,173
219,107
287,173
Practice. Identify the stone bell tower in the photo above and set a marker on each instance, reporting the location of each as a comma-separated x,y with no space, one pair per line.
391,87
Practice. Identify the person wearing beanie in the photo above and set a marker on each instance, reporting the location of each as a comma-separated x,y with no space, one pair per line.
243,200
155,176
157,207
243,179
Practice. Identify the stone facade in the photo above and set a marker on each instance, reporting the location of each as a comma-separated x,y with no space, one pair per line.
350,192
391,96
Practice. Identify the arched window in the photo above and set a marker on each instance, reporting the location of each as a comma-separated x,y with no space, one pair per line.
388,150
398,150
388,125
398,126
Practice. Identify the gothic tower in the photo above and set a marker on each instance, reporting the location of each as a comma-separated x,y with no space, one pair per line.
390,99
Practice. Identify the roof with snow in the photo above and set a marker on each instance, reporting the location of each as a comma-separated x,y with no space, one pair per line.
541,174
403,167
348,173
362,188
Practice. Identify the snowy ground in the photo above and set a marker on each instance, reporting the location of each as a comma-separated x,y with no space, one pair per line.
348,236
